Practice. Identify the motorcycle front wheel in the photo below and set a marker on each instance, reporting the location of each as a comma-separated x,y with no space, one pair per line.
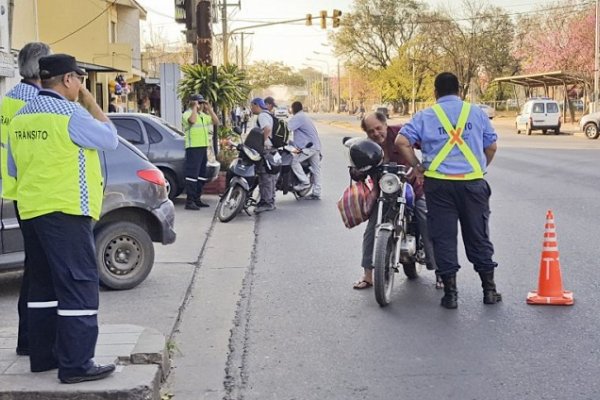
383,252
231,203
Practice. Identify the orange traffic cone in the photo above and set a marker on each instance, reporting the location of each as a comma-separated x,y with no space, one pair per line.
550,289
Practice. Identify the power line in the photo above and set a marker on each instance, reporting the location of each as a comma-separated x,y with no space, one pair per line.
85,25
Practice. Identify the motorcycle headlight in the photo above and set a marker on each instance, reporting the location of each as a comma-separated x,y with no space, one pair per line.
389,183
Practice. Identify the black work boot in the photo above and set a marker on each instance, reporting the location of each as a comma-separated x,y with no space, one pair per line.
450,299
191,205
200,203
490,296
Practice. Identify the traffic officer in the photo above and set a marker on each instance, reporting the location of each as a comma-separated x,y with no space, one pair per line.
53,153
197,121
458,143
13,101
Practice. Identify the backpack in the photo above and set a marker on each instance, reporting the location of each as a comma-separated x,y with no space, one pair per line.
280,133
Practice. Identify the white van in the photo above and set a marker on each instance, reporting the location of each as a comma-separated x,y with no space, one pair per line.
541,113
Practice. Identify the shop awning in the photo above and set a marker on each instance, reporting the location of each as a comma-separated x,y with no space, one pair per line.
89,67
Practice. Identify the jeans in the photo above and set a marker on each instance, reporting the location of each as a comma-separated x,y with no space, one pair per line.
369,236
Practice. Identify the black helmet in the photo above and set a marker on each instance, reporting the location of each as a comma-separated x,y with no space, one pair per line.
272,162
365,154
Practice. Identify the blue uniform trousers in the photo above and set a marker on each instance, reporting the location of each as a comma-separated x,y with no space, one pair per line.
63,293
467,202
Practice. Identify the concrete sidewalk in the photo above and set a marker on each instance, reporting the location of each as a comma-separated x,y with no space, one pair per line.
141,353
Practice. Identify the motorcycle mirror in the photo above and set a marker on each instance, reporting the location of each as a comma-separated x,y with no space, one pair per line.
345,139
237,130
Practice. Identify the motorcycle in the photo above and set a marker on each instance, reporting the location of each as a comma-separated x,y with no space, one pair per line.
241,179
287,178
397,240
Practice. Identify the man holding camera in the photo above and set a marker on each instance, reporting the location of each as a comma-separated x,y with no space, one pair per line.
197,121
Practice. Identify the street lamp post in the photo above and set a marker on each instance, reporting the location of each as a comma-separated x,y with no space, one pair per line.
322,84
326,93
339,82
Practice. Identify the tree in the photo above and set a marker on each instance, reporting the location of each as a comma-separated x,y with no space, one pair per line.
229,89
371,35
263,74
559,39
479,42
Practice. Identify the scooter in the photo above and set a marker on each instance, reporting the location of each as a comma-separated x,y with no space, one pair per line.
242,179
287,178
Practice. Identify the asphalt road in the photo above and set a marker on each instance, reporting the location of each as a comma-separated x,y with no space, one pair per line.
308,335
301,332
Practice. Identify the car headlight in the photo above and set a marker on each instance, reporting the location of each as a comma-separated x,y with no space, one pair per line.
389,183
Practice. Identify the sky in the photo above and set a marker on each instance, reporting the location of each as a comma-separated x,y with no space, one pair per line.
293,44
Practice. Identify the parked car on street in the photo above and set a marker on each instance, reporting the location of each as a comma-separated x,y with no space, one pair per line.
490,111
589,125
384,111
135,213
282,112
540,113
163,144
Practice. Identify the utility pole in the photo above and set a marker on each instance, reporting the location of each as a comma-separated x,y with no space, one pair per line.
596,58
224,29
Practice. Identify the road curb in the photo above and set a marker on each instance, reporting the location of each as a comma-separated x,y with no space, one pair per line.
140,353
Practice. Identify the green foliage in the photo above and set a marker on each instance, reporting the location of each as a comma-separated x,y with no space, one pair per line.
263,74
228,89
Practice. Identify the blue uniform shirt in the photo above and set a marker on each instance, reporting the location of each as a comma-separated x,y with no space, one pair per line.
426,129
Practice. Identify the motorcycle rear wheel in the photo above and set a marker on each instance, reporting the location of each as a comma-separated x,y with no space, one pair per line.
228,209
383,251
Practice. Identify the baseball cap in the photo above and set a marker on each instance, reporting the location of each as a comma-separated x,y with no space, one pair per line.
271,101
58,64
198,97
259,102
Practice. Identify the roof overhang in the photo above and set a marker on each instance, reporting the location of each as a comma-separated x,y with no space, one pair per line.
133,4
554,78
89,67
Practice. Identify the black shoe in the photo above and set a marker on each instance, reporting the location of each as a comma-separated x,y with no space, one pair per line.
450,299
490,295
202,204
191,206
22,351
94,373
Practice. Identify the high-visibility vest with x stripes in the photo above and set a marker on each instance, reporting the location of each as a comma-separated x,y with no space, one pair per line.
455,139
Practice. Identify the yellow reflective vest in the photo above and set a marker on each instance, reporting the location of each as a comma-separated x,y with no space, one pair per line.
455,139
13,101
53,173
196,135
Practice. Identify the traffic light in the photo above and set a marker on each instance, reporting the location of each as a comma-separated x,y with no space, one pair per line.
308,19
336,18
323,19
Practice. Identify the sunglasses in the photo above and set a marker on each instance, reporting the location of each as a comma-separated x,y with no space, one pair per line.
81,78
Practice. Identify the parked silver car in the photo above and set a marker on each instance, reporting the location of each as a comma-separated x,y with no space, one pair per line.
589,125
163,144
135,212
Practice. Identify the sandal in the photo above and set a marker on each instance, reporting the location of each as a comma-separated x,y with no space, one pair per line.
439,284
362,284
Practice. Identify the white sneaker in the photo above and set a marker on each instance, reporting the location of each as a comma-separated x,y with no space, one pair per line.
301,187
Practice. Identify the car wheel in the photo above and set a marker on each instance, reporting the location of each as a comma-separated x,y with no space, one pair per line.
557,130
544,131
124,253
172,185
591,130
517,128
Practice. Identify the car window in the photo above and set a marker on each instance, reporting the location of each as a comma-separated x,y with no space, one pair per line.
129,129
154,135
538,107
170,128
552,107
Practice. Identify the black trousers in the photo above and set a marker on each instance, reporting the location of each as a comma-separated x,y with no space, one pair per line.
63,293
195,171
22,336
467,202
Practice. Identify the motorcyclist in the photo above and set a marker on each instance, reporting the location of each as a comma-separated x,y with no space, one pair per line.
305,132
376,127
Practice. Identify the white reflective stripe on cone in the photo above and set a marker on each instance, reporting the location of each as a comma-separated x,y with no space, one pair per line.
42,304
76,313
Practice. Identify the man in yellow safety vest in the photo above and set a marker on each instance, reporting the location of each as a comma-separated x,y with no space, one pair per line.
458,143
